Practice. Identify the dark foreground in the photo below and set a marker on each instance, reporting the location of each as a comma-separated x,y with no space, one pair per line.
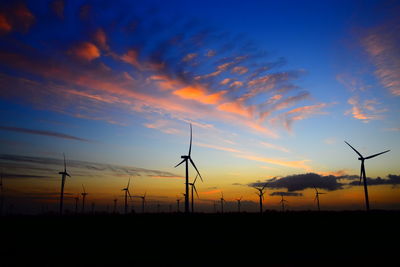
274,239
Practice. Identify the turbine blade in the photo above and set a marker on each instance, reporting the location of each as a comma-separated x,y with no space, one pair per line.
190,146
128,182
67,174
129,194
316,190
354,150
191,161
65,164
195,179
195,190
83,189
180,163
372,156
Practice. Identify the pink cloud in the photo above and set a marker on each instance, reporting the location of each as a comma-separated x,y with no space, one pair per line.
365,111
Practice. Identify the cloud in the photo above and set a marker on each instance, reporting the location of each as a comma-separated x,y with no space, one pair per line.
300,182
5,25
41,132
300,164
392,180
13,164
17,17
85,50
275,147
286,194
365,111
382,45
58,8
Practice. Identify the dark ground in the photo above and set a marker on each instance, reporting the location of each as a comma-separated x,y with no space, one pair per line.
273,239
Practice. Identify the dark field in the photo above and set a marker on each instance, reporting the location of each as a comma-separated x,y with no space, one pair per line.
273,239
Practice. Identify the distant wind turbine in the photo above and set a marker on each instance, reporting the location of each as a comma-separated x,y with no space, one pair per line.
84,194
363,175
317,197
238,202
283,203
143,201
222,202
64,174
260,194
177,204
127,193
193,185
186,159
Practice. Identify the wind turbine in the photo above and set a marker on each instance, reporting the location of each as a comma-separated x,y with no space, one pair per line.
76,203
283,203
194,189
143,201
222,202
317,197
84,194
362,173
177,204
127,193
186,159
260,194
238,202
64,174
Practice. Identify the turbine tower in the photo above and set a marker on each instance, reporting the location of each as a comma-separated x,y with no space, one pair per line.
2,194
186,159
84,194
64,174
193,185
363,176
222,202
143,201
239,204
317,197
260,194
283,203
127,193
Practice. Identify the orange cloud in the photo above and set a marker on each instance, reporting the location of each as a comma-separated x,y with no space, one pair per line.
363,111
227,149
131,57
5,26
86,51
240,70
100,38
189,57
276,147
199,94
292,164
236,108
225,81
210,192
236,84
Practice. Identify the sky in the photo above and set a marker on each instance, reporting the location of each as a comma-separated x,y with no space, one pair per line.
272,90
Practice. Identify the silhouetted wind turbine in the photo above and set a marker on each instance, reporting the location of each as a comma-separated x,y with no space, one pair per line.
317,197
127,193
64,174
143,201
84,194
362,174
222,202
283,203
193,185
260,194
177,204
76,203
238,202
186,159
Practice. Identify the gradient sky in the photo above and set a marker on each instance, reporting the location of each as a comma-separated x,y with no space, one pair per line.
272,89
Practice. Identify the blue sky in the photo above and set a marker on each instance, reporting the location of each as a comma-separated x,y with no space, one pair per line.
271,88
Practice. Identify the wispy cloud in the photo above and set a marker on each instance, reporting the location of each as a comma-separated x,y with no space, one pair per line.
41,132
382,44
365,110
